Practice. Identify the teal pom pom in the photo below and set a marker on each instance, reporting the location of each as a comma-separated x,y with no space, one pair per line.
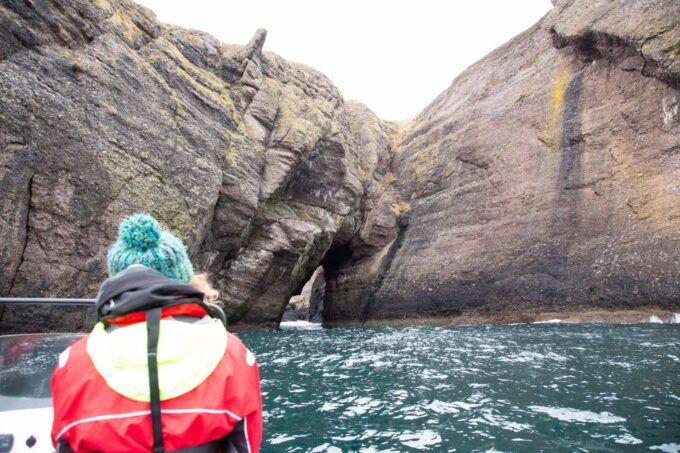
140,231
142,240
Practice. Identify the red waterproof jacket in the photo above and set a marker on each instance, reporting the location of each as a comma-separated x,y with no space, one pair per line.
97,407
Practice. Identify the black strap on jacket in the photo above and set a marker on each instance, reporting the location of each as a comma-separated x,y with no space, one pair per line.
153,321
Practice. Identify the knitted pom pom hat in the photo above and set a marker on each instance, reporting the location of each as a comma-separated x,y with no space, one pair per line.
142,240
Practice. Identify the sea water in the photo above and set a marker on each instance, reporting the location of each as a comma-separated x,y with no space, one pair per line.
548,387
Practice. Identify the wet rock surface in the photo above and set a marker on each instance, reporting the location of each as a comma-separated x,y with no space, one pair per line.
546,176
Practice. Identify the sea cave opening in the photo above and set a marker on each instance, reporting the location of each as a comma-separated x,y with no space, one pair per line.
307,305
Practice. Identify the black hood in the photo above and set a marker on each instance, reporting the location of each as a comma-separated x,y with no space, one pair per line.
139,288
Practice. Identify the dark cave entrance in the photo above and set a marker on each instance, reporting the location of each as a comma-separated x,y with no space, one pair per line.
336,257
307,305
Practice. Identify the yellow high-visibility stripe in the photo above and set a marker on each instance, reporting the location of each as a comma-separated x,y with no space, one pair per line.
187,354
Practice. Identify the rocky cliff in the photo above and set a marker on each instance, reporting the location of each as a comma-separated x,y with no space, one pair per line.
251,159
545,177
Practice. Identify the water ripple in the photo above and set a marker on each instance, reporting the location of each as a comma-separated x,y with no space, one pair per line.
503,388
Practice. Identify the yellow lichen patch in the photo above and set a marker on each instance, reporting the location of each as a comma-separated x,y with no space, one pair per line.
359,170
80,126
557,95
395,133
556,105
295,110
400,207
181,143
208,87
523,96
128,30
422,163
420,172
232,156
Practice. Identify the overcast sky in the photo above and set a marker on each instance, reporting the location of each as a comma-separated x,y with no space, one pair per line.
395,56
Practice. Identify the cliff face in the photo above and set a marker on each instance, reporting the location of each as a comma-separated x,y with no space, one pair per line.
251,159
546,176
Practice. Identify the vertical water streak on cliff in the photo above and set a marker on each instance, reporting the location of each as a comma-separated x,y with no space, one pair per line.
565,123
571,151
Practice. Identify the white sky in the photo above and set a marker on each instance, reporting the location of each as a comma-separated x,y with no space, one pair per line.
395,56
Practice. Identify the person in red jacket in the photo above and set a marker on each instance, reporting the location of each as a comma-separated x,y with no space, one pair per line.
159,372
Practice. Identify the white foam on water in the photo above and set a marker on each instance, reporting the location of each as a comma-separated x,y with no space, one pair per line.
627,439
325,448
328,407
667,448
465,406
528,356
420,440
300,325
362,358
399,394
491,419
413,412
574,415
626,365
549,321
515,427
654,320
429,374
368,434
375,450
344,438
330,358
362,406
281,438
442,407
675,319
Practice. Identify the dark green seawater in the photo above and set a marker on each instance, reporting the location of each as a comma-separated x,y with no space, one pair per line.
499,388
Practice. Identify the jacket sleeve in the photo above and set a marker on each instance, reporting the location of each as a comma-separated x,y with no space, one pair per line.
253,425
246,436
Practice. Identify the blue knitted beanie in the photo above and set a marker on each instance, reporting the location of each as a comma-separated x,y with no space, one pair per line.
142,240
